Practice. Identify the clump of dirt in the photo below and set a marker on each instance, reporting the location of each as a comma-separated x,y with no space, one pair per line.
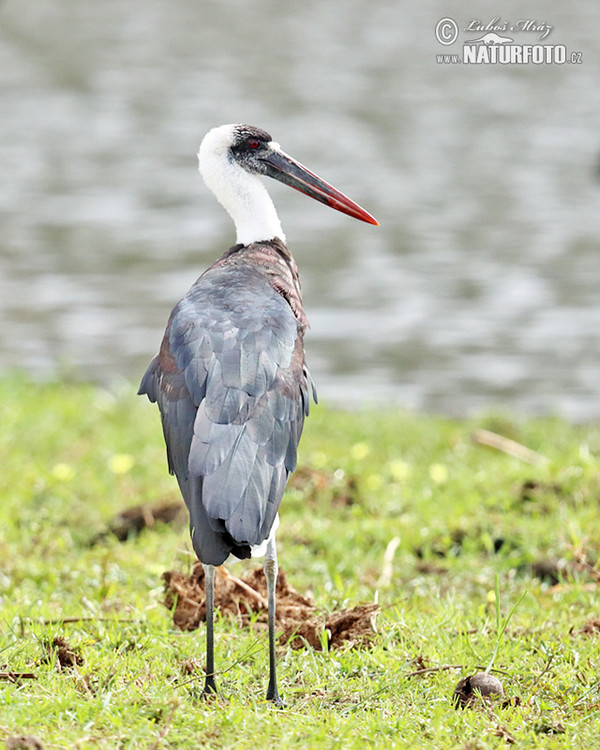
134,520
234,596
24,742
245,600
585,562
471,689
551,570
531,489
354,627
313,482
66,656
555,571
590,627
306,477
546,726
430,568
190,667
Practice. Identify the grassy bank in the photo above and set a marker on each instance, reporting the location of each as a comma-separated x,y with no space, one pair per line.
407,510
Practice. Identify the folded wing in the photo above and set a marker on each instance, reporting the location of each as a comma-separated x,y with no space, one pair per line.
233,392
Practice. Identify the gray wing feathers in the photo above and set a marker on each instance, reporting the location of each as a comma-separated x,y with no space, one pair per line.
233,408
177,410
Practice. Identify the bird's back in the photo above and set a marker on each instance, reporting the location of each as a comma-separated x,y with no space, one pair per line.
233,391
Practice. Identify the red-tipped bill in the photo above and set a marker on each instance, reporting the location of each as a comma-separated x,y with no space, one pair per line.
282,167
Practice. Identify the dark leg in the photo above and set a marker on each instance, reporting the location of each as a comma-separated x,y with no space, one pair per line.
271,576
210,687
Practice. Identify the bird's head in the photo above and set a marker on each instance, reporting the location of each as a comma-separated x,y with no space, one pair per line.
229,152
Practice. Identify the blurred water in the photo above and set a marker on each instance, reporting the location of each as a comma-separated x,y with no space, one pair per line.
479,288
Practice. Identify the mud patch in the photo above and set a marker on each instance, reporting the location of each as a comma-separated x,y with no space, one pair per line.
245,600
132,521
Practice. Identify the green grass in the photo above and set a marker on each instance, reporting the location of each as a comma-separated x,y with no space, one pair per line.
463,514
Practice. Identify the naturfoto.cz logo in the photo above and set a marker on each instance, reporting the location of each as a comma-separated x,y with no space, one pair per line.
495,43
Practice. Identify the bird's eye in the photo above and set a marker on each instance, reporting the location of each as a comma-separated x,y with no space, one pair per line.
254,144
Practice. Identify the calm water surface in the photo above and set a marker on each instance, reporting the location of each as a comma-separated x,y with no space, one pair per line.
481,286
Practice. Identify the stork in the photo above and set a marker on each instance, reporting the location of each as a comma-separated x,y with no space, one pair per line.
230,379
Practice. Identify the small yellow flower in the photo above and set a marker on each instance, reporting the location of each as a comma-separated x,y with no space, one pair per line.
374,481
438,473
121,463
63,472
399,470
360,451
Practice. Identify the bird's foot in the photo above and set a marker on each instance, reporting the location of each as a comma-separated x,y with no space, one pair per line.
210,688
274,697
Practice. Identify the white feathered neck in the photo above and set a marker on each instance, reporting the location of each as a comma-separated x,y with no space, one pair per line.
241,193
